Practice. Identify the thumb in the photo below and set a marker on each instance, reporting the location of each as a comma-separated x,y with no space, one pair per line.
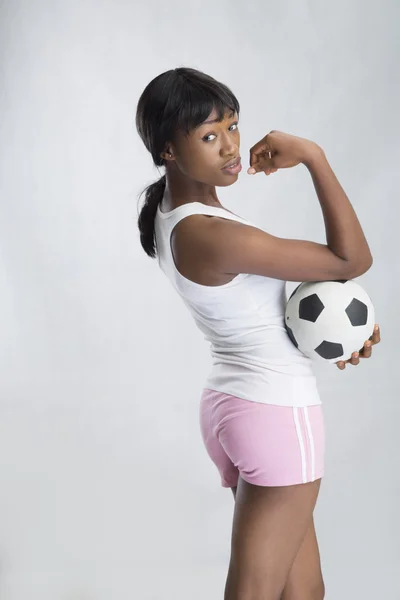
255,166
254,163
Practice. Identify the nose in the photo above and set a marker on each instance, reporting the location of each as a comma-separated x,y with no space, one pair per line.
229,147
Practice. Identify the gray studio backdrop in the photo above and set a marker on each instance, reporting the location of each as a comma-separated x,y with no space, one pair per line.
106,488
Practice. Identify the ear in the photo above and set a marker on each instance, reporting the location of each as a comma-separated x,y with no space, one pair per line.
166,155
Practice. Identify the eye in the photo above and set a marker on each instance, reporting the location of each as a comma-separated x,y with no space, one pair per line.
207,136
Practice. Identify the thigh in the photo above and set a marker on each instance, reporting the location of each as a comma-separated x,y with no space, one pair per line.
305,578
269,526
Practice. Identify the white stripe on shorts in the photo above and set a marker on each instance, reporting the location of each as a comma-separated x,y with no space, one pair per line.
301,443
311,438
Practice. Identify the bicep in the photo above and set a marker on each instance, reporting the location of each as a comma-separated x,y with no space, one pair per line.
234,248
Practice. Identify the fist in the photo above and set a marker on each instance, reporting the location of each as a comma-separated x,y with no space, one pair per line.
279,150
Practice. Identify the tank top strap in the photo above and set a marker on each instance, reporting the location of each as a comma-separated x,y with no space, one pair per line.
197,208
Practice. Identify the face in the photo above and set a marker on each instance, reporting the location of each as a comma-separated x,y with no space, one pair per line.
203,153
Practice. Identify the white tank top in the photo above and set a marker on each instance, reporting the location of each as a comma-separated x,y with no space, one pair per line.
243,321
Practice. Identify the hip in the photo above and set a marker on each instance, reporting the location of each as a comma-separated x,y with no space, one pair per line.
265,387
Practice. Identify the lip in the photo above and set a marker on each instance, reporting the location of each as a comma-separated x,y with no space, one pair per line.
233,170
232,163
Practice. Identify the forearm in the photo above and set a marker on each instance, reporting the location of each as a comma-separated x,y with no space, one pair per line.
344,234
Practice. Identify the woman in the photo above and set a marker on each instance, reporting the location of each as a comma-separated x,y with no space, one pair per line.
260,412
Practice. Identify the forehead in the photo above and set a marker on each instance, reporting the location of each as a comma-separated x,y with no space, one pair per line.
213,116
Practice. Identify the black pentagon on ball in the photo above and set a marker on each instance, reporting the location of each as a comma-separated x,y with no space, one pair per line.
310,308
329,350
357,312
291,335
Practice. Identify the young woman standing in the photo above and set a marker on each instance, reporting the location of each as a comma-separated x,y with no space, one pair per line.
260,412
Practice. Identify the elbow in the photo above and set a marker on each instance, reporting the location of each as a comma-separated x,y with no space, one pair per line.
368,263
362,267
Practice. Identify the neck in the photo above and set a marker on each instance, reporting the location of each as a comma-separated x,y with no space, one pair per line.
180,189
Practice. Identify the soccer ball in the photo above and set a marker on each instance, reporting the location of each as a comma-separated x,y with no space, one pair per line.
329,320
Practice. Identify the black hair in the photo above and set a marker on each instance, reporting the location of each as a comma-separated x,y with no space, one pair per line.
176,101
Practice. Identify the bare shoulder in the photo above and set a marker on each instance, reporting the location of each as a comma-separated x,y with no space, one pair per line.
191,247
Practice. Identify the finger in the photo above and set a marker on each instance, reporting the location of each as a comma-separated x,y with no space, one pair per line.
254,165
376,336
269,171
260,159
256,155
261,148
367,350
355,358
341,365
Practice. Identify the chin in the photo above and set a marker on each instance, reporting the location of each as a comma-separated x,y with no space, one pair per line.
227,181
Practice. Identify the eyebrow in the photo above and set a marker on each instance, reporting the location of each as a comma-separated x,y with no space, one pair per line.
215,120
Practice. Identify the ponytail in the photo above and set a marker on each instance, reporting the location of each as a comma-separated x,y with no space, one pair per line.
153,196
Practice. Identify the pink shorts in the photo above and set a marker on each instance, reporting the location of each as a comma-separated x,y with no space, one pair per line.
266,444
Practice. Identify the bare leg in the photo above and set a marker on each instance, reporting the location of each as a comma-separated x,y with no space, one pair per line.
269,526
305,580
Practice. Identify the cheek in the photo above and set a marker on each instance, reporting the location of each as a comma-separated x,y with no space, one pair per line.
188,160
203,159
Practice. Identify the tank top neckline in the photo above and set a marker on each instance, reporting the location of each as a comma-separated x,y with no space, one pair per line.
174,210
